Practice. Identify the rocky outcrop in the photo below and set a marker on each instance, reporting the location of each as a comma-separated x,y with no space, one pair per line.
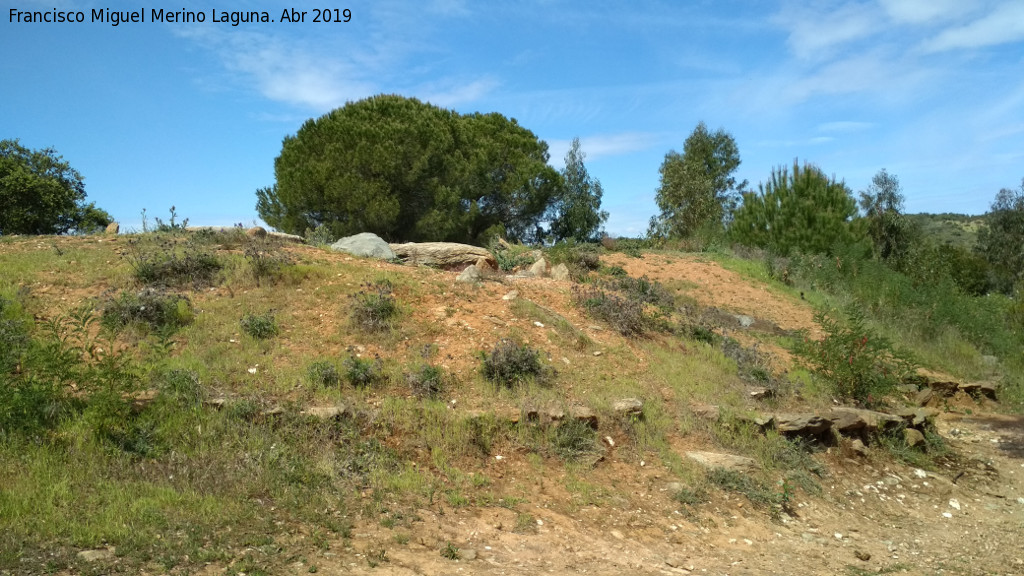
801,424
856,421
113,229
629,407
441,254
560,272
366,245
471,275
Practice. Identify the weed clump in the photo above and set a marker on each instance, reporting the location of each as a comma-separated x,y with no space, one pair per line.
260,326
374,308
860,364
266,260
168,262
626,316
574,439
362,373
324,374
427,382
510,364
641,289
509,256
149,307
13,335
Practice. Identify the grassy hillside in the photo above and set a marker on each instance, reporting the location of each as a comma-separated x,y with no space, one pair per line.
954,229
218,399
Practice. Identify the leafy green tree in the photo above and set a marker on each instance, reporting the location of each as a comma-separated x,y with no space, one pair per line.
577,210
800,210
887,227
410,171
40,193
698,190
1001,241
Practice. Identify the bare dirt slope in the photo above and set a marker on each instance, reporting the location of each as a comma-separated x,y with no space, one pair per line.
872,516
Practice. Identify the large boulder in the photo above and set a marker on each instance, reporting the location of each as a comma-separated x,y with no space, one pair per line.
801,424
442,254
471,275
367,245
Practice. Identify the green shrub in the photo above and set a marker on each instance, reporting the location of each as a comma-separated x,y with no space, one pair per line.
510,364
165,261
579,258
154,308
756,491
14,336
260,326
860,364
363,373
374,308
324,374
182,386
320,236
509,256
626,316
265,258
573,440
427,382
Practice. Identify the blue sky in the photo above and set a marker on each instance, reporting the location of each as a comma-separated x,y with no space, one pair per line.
192,115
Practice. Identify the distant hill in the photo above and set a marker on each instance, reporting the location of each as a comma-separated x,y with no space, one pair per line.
955,229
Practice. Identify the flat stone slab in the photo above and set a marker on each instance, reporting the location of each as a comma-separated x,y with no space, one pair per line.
441,254
711,460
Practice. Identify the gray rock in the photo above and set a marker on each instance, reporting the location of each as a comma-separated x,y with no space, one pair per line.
113,228
628,407
944,388
854,420
584,414
712,460
366,245
924,396
97,554
467,554
858,447
511,295
325,412
539,268
760,393
256,232
442,254
704,411
560,272
745,321
485,265
918,417
913,437
470,275
801,424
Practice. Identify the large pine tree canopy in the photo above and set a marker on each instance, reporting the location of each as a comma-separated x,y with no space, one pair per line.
411,171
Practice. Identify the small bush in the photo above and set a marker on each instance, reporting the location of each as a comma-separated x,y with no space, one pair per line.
149,307
265,258
755,491
450,551
182,386
573,440
626,316
362,373
320,236
14,336
167,262
641,289
510,256
260,326
427,382
580,259
374,308
860,364
510,364
324,374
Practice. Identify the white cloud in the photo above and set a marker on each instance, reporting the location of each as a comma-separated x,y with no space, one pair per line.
456,95
844,126
1004,24
926,11
602,146
813,33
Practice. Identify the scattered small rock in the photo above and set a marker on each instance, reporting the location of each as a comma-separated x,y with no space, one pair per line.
560,272
97,554
467,554
325,412
913,437
511,295
745,321
584,414
471,275
760,393
862,556
628,407
539,268
858,447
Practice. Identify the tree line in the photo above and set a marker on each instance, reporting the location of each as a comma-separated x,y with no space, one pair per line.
411,171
